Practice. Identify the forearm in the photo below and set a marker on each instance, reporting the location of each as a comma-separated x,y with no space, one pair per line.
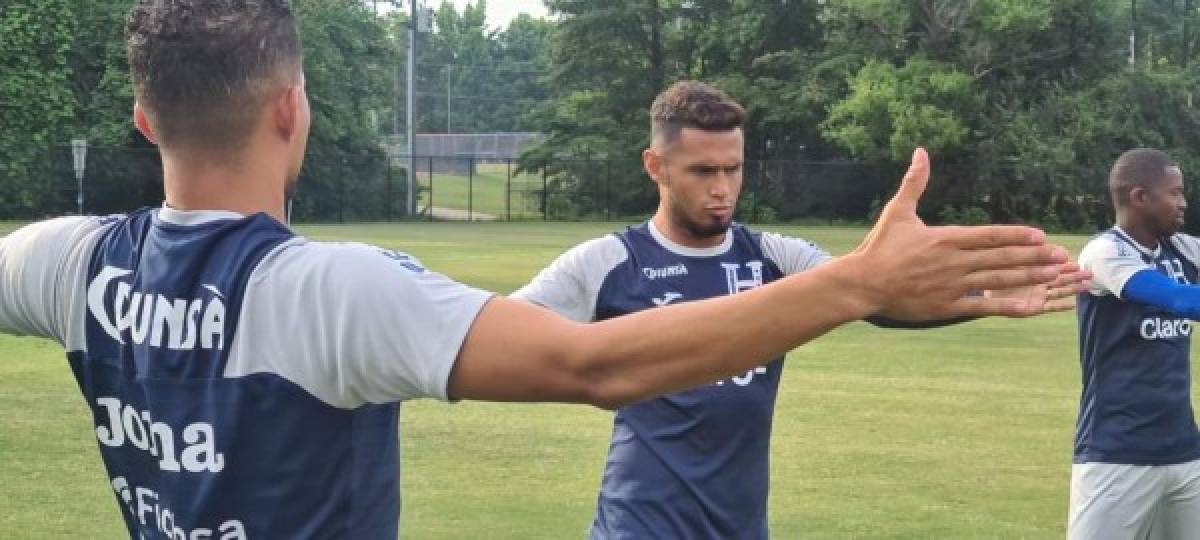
657,351
1154,289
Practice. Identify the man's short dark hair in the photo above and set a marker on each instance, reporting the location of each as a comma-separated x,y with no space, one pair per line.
693,104
1140,167
203,69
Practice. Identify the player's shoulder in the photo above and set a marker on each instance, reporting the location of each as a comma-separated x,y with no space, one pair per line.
347,264
793,254
1106,244
594,256
775,238
62,233
1188,246
607,247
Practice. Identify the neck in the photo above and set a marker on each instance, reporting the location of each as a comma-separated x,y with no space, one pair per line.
1139,232
204,182
667,226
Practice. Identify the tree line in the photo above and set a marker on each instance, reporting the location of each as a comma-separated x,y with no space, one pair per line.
1024,104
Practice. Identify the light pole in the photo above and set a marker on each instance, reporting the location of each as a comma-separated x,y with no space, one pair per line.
79,154
412,137
1133,33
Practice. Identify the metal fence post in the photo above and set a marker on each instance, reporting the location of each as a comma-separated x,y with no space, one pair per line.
430,205
762,166
508,192
387,164
545,193
607,191
471,188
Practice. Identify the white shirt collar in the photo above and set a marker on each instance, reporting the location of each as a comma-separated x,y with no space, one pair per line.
678,249
1147,251
194,217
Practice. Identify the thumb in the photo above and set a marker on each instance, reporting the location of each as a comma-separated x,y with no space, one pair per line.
913,184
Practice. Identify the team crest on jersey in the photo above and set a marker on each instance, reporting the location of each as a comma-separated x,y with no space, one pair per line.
734,280
153,319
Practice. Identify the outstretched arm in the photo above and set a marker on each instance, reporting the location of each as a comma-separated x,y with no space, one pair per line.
1152,288
903,270
41,267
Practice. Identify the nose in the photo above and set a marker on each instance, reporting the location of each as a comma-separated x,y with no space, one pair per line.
722,188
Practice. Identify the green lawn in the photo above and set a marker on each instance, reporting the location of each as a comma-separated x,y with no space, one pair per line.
487,193
955,433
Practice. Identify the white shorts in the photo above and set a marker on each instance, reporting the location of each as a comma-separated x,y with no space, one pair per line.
1134,502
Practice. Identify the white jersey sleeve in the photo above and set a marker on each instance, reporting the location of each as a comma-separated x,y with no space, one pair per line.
352,324
1111,263
43,267
793,255
570,284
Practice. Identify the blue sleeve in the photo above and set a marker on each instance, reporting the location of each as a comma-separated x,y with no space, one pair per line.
1155,289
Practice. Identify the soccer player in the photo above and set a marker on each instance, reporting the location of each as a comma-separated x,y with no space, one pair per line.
1136,472
244,381
692,464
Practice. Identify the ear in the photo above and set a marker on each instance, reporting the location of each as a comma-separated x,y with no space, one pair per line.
654,164
285,111
143,123
1138,195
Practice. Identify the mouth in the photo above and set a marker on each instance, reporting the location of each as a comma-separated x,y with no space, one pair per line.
719,211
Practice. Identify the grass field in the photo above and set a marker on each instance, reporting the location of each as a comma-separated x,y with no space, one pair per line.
487,192
956,433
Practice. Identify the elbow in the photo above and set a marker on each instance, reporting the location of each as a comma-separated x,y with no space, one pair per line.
599,387
591,379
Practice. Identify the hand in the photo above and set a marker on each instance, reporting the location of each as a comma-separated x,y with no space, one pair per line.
1058,295
914,272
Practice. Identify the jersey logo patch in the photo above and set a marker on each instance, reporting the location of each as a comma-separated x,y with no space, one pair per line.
666,272
666,299
405,260
154,319
1153,328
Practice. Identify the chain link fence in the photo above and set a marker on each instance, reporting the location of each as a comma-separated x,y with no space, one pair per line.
374,187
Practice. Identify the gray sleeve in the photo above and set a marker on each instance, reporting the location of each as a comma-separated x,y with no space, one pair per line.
353,324
793,255
43,267
570,284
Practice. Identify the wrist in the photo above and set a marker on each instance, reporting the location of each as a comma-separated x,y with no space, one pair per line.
853,281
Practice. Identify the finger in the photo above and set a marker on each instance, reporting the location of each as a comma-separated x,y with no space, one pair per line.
1071,267
912,186
979,306
1065,304
1069,285
1010,277
1015,257
992,236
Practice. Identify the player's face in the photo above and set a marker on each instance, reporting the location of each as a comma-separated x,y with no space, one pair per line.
1165,203
701,180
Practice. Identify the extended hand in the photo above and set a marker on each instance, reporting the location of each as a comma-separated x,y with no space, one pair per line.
917,272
